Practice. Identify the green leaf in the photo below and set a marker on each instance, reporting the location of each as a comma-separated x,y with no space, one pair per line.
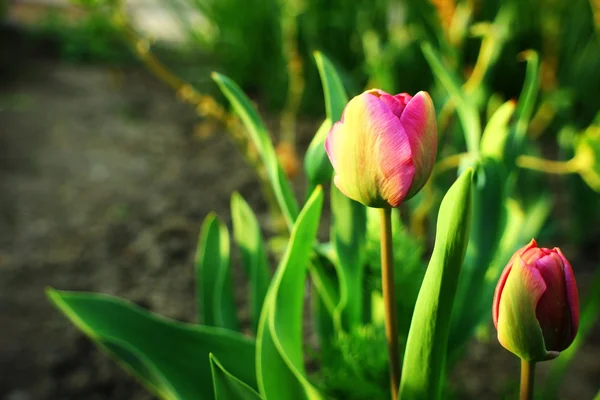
279,361
488,220
425,357
227,386
316,163
587,155
335,94
216,305
590,315
170,358
259,136
495,135
526,99
348,235
467,111
246,232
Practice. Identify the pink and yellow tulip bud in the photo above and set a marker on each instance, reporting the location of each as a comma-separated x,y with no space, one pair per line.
536,305
384,147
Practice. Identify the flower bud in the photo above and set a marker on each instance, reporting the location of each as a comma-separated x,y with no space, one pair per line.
536,305
384,147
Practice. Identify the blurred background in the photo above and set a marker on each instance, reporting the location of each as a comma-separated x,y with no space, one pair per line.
114,146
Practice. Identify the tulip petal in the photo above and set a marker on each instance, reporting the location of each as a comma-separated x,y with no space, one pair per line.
552,311
503,276
572,294
396,104
394,155
518,329
418,120
498,292
351,147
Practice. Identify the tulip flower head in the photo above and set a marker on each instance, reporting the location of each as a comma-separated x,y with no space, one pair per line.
384,147
536,304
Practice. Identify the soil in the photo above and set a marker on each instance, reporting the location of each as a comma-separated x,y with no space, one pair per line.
103,187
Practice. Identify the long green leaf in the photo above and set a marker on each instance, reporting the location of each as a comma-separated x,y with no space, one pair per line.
260,138
279,360
424,361
348,235
227,386
316,164
335,94
216,305
495,135
170,358
246,232
526,99
488,221
467,110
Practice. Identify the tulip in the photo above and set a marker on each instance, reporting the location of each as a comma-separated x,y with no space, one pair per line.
384,147
536,305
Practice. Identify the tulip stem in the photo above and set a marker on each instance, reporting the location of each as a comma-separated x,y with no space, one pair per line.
389,299
527,378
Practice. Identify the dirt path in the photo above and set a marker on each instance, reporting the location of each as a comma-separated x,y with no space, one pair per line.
102,188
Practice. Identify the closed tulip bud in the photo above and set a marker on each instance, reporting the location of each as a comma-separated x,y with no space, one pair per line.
384,147
536,305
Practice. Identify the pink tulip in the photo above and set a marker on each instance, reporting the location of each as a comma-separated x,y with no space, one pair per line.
384,147
536,305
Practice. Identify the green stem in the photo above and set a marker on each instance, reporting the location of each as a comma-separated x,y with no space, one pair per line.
527,378
389,300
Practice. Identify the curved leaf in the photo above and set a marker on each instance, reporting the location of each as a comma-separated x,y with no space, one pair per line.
260,137
279,360
333,89
168,357
495,135
316,163
227,386
246,232
467,111
348,235
216,305
424,361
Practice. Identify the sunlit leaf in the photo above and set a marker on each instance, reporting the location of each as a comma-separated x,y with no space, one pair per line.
170,358
216,305
425,357
279,357
227,386
246,232
260,138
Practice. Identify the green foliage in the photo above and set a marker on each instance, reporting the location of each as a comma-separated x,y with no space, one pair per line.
279,360
170,358
410,269
316,164
227,386
213,276
425,357
246,232
259,136
354,367
90,39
